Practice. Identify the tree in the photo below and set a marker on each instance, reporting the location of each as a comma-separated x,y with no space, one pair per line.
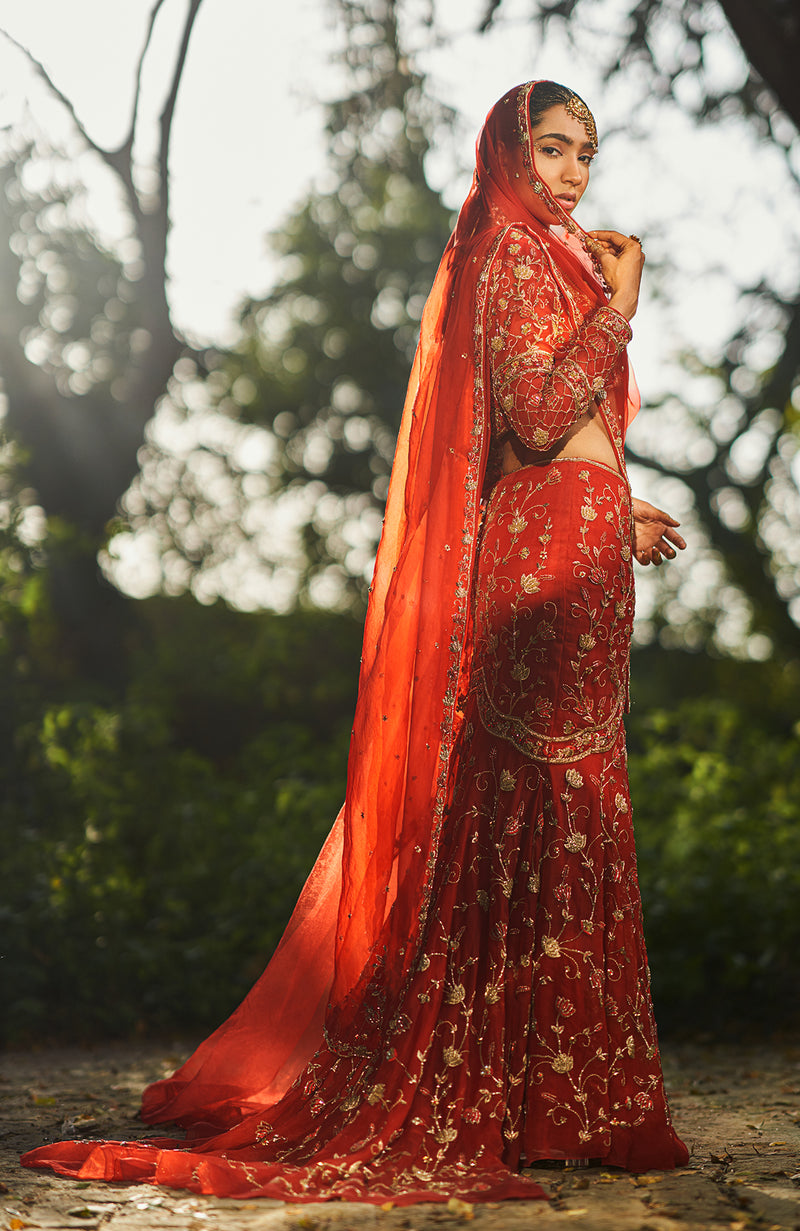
98,346
769,34
324,358
750,513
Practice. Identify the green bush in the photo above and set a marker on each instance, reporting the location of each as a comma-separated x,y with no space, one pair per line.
154,848
154,840
716,791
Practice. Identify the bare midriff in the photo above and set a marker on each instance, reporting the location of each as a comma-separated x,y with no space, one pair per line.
586,438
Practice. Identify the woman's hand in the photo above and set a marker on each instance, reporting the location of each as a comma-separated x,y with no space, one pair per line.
621,262
654,536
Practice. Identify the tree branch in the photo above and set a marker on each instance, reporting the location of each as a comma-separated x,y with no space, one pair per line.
168,113
42,72
128,142
746,562
772,45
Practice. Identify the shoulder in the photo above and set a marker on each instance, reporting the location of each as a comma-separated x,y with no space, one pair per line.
519,257
518,269
517,245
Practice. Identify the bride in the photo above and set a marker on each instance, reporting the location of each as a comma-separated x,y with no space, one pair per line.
463,987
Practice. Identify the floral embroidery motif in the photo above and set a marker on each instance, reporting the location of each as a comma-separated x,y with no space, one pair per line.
564,704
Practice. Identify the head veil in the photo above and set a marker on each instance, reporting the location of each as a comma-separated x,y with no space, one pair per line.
355,932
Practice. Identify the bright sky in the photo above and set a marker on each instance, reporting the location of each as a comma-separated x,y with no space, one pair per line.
248,135
248,143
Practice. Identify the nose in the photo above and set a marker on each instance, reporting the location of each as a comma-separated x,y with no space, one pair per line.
572,172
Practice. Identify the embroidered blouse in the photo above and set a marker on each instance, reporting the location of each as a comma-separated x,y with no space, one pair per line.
544,374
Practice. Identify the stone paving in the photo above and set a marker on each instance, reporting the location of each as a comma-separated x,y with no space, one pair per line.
738,1109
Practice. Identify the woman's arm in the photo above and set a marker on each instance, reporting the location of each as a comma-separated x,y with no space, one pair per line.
544,375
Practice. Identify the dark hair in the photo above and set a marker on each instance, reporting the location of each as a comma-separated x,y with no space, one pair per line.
547,94
544,95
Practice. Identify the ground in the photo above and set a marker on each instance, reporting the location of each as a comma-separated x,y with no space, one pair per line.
737,1108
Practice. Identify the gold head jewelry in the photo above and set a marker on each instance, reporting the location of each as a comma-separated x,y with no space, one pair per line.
577,108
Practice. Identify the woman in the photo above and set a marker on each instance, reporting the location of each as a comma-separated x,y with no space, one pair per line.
463,987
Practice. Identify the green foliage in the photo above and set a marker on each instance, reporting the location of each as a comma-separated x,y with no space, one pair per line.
69,332
315,384
716,790
324,358
154,845
154,848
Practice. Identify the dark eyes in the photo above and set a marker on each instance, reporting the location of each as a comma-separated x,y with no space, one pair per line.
553,151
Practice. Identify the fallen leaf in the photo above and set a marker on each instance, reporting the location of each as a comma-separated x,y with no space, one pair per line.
642,1181
43,1100
463,1208
777,1143
16,1224
387,1205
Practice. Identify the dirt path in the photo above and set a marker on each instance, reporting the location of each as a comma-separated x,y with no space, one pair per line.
737,1109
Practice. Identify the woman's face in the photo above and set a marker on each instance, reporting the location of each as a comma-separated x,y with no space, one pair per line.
562,154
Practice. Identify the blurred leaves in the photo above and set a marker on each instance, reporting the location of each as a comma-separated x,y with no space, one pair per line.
715,781
323,361
723,441
154,848
86,341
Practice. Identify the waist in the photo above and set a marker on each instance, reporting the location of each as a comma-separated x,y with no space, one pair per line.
589,439
532,469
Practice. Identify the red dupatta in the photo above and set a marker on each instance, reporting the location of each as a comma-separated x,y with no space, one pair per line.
354,933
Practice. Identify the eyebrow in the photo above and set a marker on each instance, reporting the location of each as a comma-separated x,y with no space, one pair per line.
562,137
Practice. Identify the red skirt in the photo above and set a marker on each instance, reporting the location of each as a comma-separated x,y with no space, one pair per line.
525,1031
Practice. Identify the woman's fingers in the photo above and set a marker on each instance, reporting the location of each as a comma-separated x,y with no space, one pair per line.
672,536
611,237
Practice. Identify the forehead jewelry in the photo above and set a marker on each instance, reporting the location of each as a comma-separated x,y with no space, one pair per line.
577,108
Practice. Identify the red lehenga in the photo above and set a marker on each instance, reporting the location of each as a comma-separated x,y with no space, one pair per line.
463,987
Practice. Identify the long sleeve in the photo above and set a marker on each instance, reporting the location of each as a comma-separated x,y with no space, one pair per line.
544,375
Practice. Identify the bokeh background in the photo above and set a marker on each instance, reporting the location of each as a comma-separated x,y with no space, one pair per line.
218,225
